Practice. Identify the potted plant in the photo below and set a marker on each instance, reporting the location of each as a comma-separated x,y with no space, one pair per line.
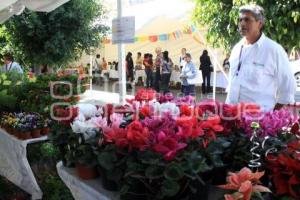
86,163
37,124
46,126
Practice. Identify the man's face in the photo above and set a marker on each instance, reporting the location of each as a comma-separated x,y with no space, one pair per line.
248,25
183,51
187,59
6,60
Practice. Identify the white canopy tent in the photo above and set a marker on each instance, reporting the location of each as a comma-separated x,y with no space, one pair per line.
8,8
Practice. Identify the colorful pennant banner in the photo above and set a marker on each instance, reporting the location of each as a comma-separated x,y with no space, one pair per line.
161,37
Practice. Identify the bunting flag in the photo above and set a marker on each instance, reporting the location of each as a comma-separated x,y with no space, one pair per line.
153,38
163,37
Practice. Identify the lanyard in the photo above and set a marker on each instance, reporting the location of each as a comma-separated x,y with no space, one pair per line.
240,62
7,70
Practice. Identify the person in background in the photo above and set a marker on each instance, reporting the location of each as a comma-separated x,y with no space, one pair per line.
166,71
97,70
205,67
148,70
157,67
188,72
104,64
129,69
10,65
139,61
182,58
97,64
260,70
226,64
182,62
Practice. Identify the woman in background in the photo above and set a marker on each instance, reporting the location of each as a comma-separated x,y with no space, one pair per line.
205,67
129,70
166,72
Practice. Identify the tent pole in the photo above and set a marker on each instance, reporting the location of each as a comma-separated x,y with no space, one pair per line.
121,63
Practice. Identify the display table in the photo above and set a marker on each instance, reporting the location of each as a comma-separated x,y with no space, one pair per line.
14,164
113,74
175,77
84,189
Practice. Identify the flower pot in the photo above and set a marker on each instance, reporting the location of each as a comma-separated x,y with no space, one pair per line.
45,131
202,191
36,133
85,172
14,131
24,135
108,184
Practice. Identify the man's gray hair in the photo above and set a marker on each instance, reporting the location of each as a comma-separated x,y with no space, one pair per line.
256,10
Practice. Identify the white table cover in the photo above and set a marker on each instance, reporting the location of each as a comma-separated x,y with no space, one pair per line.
175,77
140,73
113,74
14,164
84,189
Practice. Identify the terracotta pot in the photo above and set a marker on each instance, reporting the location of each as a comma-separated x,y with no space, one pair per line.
14,131
24,135
36,133
85,172
9,130
45,130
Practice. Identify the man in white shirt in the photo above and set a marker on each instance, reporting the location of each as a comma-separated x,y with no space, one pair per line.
260,71
10,65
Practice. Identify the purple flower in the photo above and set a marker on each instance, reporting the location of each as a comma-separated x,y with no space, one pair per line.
271,123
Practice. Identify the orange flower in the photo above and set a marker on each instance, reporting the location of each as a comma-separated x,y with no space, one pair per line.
245,182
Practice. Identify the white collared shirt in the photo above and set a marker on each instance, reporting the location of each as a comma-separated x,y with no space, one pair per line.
12,66
265,76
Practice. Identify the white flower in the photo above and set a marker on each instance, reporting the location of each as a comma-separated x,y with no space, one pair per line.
88,110
171,108
87,128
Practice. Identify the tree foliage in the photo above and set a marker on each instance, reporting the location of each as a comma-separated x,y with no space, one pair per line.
58,37
220,17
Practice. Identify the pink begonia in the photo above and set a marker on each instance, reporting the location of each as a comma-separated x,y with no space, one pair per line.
189,100
270,122
116,120
165,98
99,122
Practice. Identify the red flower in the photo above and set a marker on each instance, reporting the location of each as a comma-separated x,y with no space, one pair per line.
145,111
117,136
285,170
167,145
145,95
188,127
185,110
210,126
138,135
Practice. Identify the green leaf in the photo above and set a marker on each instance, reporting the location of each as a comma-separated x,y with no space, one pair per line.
173,172
199,166
154,172
170,188
107,159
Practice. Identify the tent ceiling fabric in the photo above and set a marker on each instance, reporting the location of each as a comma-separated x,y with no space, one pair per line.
8,8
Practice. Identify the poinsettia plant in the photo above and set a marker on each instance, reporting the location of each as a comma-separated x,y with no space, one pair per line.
285,168
245,183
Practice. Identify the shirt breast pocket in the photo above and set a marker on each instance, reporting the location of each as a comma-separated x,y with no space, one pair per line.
261,72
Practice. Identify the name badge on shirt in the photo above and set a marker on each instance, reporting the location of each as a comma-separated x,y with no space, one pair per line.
258,64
